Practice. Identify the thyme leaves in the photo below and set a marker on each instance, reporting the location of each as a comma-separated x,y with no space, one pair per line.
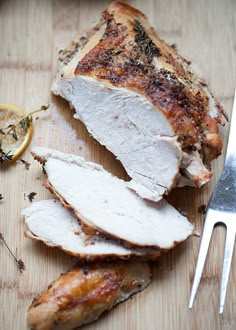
31,196
13,133
5,156
202,209
43,169
25,123
27,164
144,42
21,265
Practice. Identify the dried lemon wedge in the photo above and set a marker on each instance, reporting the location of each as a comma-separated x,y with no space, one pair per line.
16,131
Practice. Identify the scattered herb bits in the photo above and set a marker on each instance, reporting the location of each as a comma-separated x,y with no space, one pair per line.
27,164
31,196
202,209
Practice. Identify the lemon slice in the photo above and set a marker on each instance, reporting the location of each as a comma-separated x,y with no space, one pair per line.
13,140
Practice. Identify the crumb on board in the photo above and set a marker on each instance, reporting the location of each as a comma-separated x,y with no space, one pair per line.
202,209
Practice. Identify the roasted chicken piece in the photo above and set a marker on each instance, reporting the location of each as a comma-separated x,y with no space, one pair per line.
103,203
51,223
142,100
81,295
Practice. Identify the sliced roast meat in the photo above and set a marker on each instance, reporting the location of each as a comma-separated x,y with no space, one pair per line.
48,221
105,204
142,100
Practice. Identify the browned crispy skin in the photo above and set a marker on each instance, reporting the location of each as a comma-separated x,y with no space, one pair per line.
84,293
124,58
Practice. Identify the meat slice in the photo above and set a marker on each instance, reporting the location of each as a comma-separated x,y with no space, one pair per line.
105,204
48,221
142,100
81,295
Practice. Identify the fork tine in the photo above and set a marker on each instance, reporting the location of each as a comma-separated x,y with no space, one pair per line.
206,238
229,247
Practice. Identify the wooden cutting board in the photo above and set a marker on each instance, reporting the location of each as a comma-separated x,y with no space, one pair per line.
31,33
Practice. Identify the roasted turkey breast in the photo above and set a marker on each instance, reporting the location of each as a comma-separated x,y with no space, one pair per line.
81,295
142,100
103,203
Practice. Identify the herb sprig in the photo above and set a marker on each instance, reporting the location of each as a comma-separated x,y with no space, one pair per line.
19,262
24,122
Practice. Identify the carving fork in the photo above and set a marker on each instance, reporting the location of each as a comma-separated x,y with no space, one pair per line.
221,210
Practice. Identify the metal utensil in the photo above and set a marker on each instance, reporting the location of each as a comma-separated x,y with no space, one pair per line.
221,210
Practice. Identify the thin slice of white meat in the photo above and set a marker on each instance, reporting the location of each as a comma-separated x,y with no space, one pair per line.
106,204
48,221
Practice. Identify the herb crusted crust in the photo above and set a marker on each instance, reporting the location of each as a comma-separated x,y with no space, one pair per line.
131,55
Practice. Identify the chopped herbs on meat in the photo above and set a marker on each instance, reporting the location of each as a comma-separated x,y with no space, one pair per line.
144,42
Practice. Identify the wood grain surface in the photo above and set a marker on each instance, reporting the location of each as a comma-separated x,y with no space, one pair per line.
31,33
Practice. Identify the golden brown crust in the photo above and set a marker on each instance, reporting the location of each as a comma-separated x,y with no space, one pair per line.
83,293
131,55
